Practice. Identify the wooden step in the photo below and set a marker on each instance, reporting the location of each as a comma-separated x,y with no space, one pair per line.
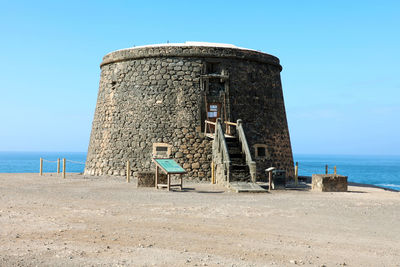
239,167
246,187
236,156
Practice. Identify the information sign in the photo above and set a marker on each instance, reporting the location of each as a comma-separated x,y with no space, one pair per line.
169,166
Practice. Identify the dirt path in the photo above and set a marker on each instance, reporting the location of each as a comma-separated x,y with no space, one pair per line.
48,221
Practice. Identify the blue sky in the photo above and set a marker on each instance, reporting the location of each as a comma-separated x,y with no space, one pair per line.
341,64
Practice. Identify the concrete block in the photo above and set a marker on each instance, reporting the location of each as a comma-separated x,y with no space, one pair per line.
329,183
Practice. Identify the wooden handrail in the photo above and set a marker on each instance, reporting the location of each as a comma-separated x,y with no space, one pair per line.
220,150
208,123
246,150
228,125
231,123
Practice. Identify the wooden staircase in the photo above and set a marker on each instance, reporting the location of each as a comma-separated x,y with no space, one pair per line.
240,171
232,162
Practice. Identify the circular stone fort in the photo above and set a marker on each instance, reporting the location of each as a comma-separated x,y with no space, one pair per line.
164,101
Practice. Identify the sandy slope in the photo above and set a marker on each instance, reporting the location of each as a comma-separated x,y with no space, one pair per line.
104,221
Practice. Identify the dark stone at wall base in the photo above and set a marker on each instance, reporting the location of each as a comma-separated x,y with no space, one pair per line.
305,179
147,179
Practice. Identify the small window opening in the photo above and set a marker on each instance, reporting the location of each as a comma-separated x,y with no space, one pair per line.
261,151
213,113
161,150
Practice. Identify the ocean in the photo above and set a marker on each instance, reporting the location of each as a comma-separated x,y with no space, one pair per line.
19,162
381,171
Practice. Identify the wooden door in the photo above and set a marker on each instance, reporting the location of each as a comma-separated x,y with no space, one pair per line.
213,113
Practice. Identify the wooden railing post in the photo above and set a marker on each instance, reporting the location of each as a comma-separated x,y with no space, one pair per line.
64,168
253,171
326,169
269,180
228,127
334,170
41,167
220,147
296,174
207,124
212,172
156,180
128,172
58,165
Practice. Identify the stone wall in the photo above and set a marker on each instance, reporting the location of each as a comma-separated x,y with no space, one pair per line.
154,95
141,102
257,98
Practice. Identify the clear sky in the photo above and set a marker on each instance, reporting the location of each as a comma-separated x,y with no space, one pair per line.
341,64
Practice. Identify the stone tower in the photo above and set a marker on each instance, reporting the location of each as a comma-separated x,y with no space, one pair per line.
153,101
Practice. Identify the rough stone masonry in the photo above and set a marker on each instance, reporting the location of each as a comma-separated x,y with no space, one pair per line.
153,101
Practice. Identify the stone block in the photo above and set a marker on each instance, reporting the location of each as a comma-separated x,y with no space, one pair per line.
196,165
329,183
147,179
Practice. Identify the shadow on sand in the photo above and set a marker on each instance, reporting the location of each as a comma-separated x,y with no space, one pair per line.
191,189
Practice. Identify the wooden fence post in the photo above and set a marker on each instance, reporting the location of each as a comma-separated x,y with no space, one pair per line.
326,169
64,168
58,166
269,180
296,173
41,167
212,173
334,170
128,171
156,182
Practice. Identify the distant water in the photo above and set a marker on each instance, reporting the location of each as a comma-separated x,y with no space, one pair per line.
17,162
382,171
377,170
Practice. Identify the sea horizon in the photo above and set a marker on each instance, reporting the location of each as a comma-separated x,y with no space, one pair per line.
378,170
302,153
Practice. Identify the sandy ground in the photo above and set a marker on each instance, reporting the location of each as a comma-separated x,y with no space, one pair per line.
86,221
